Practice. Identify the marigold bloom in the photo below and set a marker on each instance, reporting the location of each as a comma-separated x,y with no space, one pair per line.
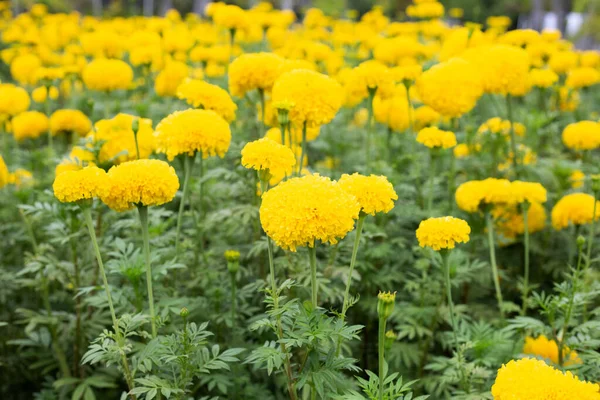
23,68
373,75
69,121
201,94
21,178
451,88
86,183
374,193
168,80
254,71
461,150
301,210
582,135
189,131
535,380
107,75
4,174
531,192
563,61
29,125
471,195
443,232
267,155
576,178
576,209
316,98
425,116
510,223
117,139
433,137
230,17
582,77
548,349
392,111
139,183
542,78
13,99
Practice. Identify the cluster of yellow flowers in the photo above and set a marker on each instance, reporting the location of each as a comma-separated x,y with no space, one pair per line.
548,350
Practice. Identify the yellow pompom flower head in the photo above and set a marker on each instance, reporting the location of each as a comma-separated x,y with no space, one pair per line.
301,211
141,184
201,94
187,133
441,234
268,158
582,135
548,350
29,125
106,75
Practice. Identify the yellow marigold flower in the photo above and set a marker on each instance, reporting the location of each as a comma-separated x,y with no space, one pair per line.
461,150
139,183
39,94
471,195
510,223
214,70
117,140
21,178
582,77
29,125
316,97
231,17
392,111
443,232
268,156
548,350
451,88
23,68
425,116
373,75
589,58
301,210
69,121
542,78
563,61
535,380
576,209
107,75
576,178
500,22
425,10
201,94
582,135
374,193
189,131
254,71
505,69
168,80
86,183
13,99
531,192
4,174
568,99
433,137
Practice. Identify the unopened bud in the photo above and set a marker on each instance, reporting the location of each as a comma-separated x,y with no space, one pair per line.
233,260
385,304
580,241
184,312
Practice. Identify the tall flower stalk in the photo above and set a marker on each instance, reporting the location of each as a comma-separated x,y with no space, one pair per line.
385,307
495,276
143,213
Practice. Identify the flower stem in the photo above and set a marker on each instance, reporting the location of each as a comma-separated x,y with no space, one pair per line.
370,125
233,298
569,313
60,354
312,256
526,256
303,151
187,168
143,211
446,260
432,168
381,344
495,276
513,142
199,228
261,94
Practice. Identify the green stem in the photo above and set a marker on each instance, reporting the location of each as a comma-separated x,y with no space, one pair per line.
303,151
143,211
137,146
451,184
432,168
370,125
187,168
446,260
381,344
29,231
526,267
312,253
233,299
60,354
513,142
569,313
495,275
199,227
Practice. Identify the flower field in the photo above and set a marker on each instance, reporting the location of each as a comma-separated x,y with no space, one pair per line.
250,204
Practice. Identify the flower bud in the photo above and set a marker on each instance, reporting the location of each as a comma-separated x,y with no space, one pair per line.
184,312
385,304
233,260
390,338
595,183
580,242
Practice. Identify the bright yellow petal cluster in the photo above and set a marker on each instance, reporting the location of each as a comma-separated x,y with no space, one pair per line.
69,121
4,174
86,183
301,210
510,223
29,125
117,139
443,232
201,94
393,111
13,99
374,193
542,78
316,98
574,209
582,135
267,155
451,88
425,116
473,194
139,182
107,75
433,137
23,68
531,192
425,10
548,349
533,379
576,178
582,77
254,71
373,75
21,178
190,131
169,78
